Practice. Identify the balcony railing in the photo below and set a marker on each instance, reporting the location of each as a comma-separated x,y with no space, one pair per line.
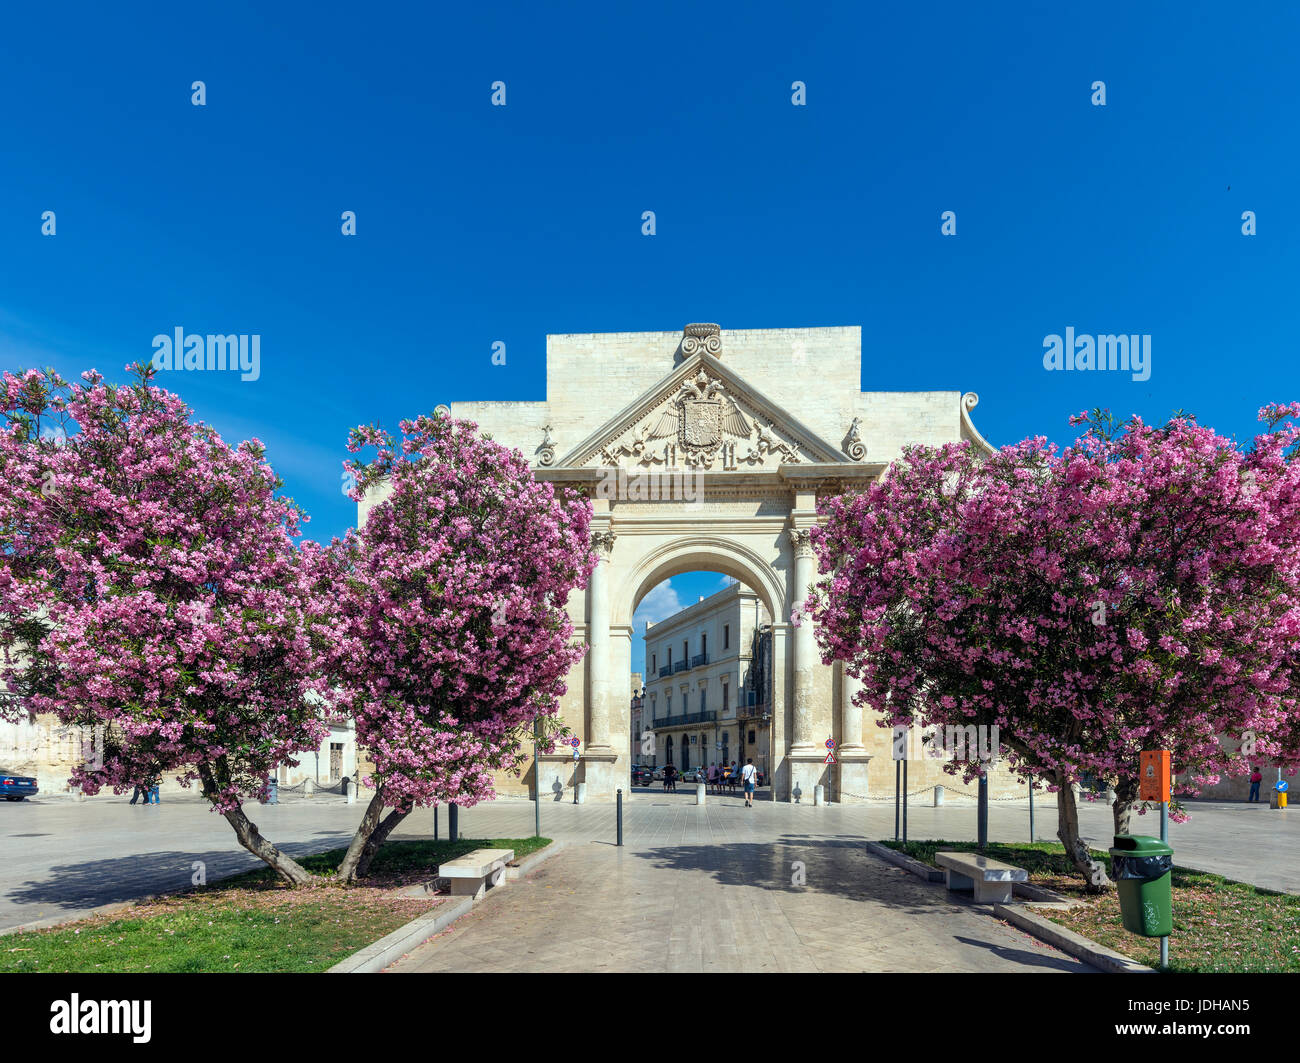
699,659
686,719
680,666
749,712
665,670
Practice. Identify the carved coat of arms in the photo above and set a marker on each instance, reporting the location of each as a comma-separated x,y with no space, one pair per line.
702,423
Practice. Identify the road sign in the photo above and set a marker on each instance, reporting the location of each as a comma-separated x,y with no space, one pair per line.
575,753
830,743
830,758
719,744
575,742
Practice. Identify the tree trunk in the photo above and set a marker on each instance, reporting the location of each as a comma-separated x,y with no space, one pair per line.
368,825
1067,814
251,839
377,839
1126,805
371,834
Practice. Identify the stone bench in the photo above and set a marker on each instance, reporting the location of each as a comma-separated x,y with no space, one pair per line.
471,875
991,880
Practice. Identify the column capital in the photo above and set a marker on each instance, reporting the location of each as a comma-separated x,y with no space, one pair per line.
603,542
802,542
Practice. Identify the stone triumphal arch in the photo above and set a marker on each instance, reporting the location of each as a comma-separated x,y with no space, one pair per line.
709,450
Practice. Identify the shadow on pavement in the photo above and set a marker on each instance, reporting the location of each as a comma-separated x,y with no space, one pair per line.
836,867
75,887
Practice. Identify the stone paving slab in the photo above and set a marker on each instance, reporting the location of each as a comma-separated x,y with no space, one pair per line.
61,858
729,907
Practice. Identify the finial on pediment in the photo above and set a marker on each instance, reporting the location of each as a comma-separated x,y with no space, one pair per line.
701,337
854,446
546,450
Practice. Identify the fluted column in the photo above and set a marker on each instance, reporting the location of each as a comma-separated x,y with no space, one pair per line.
806,658
599,643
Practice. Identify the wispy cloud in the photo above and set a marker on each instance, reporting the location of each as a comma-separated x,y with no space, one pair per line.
658,605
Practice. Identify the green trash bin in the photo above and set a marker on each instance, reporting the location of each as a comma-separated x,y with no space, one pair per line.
1141,867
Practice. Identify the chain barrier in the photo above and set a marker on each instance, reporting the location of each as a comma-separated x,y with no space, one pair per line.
309,787
947,792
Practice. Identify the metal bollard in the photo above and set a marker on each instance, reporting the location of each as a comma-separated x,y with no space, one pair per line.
819,795
938,797
620,816
699,793
452,813
435,823
982,813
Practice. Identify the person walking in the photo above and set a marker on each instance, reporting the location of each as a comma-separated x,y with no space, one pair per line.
138,793
670,773
713,777
1256,777
734,778
749,775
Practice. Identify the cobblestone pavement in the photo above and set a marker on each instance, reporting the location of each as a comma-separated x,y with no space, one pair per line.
726,906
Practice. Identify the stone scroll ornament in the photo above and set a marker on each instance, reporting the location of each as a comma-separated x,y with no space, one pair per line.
697,338
854,446
546,450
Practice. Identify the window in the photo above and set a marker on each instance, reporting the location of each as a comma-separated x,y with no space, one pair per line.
670,656
726,636
751,738
726,699
704,642
703,704
654,663
686,649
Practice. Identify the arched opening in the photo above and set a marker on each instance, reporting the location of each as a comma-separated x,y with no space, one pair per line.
702,663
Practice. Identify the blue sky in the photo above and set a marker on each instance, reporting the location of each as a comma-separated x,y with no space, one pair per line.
478,224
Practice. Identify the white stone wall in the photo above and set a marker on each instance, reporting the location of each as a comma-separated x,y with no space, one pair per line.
814,373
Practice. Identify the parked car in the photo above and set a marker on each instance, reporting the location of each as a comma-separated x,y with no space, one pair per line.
693,775
642,775
17,787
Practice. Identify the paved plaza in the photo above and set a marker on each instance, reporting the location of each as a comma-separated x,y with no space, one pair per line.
693,888
727,901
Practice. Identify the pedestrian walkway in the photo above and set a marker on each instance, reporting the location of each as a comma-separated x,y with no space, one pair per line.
1250,843
63,858
691,898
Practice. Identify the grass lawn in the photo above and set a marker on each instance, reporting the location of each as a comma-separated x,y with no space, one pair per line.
1219,924
251,922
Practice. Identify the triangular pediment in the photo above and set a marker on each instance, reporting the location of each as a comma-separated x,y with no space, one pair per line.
702,416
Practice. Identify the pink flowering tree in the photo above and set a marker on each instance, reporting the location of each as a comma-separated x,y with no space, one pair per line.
150,586
1136,591
457,636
